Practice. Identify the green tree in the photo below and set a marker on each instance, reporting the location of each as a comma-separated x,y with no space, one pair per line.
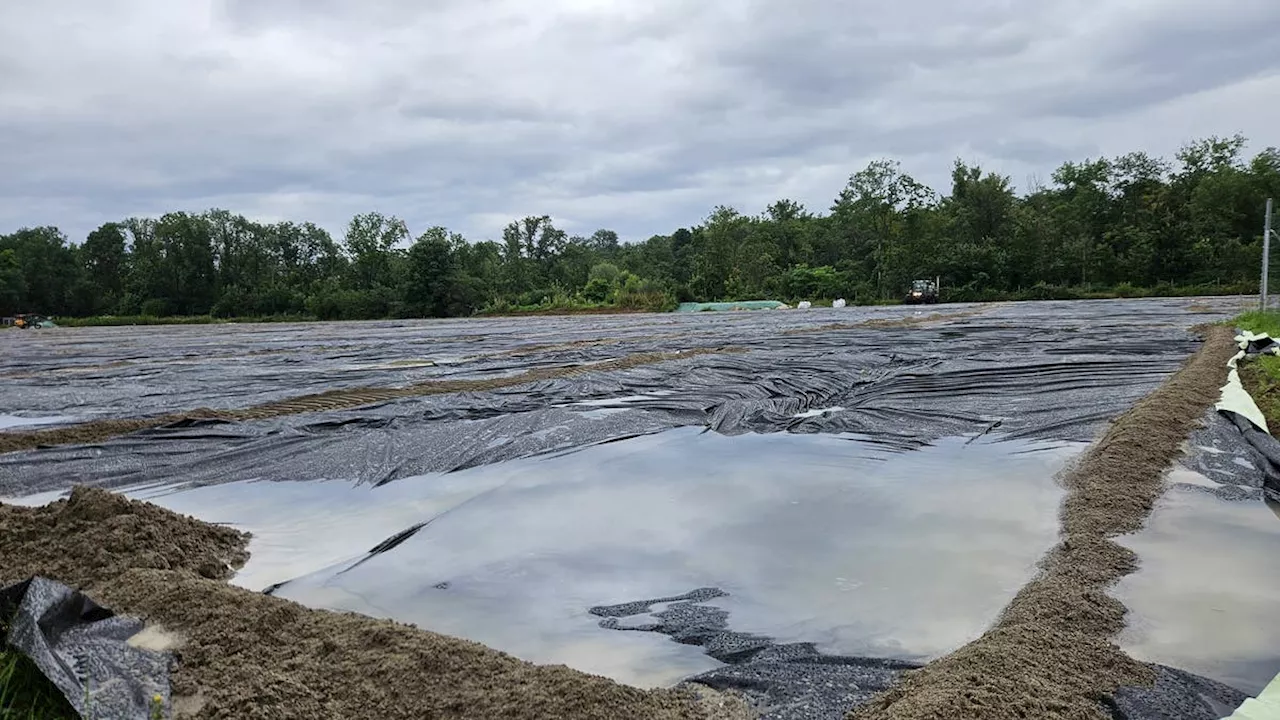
103,256
13,286
369,241
433,280
48,266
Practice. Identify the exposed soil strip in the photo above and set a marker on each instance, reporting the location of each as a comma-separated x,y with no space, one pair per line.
578,344
898,322
552,347
247,656
1050,654
100,430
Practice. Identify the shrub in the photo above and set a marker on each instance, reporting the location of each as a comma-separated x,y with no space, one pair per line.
597,290
155,307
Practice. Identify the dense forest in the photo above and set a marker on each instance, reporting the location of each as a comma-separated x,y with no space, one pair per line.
1133,224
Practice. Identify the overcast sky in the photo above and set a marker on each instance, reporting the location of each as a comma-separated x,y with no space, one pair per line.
637,115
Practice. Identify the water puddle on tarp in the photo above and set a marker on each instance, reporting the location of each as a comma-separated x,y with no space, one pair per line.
9,422
816,538
1204,598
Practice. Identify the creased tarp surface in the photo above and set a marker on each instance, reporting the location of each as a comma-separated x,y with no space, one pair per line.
82,648
1044,373
1238,406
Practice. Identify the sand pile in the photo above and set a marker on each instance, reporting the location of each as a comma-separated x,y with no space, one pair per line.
95,536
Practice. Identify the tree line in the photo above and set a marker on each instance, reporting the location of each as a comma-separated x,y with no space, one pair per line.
1133,224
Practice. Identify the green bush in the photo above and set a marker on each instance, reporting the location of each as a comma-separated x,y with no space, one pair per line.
597,290
1125,290
154,307
806,283
644,294
607,272
232,303
1044,291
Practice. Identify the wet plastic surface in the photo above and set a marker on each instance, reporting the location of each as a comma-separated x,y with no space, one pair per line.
1204,597
807,536
891,537
128,371
9,422
1027,370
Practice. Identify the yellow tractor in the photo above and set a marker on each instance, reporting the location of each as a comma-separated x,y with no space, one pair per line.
32,321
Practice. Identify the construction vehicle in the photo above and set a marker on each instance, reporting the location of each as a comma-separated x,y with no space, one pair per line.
923,292
29,321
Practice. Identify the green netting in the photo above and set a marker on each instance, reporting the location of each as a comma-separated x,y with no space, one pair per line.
741,305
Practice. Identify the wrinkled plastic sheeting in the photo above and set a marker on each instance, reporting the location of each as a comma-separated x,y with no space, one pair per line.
784,681
1053,371
901,399
1237,405
83,649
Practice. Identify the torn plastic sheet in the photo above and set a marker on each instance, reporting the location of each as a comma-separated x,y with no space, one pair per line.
1235,399
1171,692
83,649
1237,405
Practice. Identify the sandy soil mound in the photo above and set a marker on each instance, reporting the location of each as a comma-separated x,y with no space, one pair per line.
1050,655
244,655
95,536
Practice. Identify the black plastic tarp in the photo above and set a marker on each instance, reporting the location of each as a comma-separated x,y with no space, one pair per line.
83,649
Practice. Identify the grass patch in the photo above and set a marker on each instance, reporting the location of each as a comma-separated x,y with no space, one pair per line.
1261,377
1260,322
26,694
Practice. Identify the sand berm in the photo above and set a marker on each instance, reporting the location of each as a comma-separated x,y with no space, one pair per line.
250,656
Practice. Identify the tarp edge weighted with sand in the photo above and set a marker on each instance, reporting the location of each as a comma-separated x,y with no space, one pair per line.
1237,401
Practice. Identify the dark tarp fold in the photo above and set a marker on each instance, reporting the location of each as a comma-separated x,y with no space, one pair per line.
83,649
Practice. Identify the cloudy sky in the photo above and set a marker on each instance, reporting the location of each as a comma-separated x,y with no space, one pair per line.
638,115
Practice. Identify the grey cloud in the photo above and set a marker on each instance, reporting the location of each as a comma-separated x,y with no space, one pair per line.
1166,52
638,116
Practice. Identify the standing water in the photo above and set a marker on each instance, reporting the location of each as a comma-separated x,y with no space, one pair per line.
825,539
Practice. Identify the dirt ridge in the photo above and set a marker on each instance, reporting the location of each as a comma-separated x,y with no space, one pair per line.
905,321
96,431
1050,654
